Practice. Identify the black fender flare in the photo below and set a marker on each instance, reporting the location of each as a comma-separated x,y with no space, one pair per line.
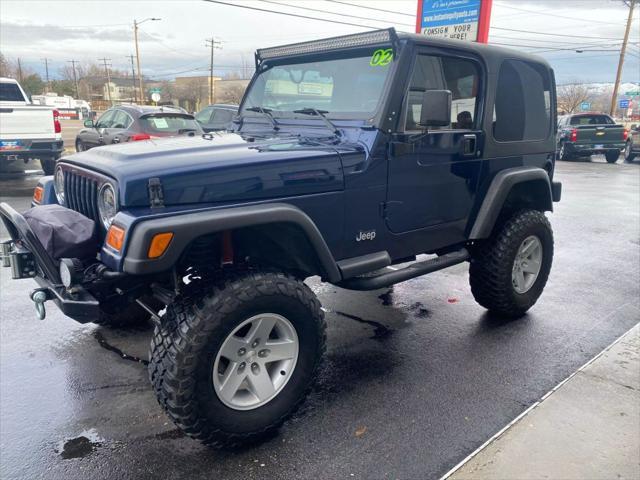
498,192
189,226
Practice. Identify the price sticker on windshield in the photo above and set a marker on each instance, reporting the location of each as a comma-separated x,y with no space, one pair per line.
381,57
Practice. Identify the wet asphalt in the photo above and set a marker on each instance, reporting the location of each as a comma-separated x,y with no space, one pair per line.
416,376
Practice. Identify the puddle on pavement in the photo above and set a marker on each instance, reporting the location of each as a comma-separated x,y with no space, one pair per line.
107,346
80,446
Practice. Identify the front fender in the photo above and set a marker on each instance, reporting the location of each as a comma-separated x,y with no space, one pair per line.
189,226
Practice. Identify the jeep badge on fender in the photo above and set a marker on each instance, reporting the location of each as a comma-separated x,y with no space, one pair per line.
218,251
369,235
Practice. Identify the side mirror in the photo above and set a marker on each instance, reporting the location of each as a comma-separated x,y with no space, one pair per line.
88,123
436,108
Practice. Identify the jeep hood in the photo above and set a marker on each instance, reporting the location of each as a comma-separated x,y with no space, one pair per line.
219,167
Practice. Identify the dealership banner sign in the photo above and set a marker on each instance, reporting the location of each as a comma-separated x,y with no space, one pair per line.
466,20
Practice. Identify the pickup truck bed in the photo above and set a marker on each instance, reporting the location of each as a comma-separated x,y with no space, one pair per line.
590,134
27,131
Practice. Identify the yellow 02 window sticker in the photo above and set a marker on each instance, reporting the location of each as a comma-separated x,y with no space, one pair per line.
381,57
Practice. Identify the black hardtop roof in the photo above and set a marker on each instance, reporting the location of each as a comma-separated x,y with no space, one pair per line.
390,36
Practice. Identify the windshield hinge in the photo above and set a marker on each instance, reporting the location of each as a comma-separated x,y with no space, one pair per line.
156,194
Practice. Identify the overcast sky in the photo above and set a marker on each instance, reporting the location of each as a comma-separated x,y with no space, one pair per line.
88,30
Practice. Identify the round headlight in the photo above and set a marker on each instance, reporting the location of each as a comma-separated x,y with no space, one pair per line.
58,183
107,204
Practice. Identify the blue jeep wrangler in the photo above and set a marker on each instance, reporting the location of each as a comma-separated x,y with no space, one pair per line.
349,155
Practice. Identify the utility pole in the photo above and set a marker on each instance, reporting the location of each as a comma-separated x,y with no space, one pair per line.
106,71
46,71
133,78
75,78
614,97
136,24
213,44
19,71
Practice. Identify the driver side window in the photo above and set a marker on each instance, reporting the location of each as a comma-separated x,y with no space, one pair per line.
106,119
458,75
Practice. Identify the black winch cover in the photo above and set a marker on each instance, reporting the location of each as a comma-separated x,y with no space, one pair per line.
64,233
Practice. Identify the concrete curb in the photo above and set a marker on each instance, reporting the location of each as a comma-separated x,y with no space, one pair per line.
507,427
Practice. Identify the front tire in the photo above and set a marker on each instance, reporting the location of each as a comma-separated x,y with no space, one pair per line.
628,152
612,156
260,335
509,270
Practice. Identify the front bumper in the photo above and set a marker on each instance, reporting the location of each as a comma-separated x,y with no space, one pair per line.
28,258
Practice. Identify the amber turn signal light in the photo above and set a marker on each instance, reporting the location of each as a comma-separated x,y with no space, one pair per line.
159,244
115,237
37,194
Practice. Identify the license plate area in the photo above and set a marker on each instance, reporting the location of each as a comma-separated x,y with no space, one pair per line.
598,147
11,145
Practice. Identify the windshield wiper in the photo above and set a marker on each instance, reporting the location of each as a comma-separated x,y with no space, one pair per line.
267,113
321,114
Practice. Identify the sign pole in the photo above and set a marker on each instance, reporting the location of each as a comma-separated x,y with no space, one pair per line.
484,21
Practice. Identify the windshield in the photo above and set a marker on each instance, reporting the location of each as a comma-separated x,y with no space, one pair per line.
169,123
349,88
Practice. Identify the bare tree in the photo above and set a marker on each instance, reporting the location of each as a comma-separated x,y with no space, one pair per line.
231,94
6,70
571,95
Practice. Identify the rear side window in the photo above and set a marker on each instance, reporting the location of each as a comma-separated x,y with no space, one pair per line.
523,102
204,116
222,117
169,123
591,120
10,92
120,120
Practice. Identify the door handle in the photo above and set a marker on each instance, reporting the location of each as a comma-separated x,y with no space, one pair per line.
469,145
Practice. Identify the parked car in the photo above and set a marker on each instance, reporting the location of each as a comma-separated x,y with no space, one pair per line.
632,148
27,131
130,123
361,158
217,117
585,134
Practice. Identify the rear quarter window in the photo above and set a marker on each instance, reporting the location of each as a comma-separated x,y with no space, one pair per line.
10,92
522,109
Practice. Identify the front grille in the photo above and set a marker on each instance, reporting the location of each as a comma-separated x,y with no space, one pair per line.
81,194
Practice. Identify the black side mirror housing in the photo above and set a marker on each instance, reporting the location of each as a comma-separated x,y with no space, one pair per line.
436,108
89,123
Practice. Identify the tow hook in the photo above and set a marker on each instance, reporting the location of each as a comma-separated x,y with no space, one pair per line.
39,296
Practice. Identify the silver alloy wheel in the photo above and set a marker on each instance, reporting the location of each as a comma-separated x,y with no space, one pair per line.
561,154
627,151
527,264
255,361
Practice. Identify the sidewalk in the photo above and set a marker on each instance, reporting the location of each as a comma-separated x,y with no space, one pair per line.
588,428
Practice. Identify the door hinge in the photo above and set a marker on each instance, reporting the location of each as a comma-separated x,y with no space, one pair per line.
386,206
156,194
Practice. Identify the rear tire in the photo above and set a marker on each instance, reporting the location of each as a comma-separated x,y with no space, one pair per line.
563,153
612,156
48,165
197,333
80,147
498,264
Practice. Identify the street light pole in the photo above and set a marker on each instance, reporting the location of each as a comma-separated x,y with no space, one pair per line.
136,24
614,97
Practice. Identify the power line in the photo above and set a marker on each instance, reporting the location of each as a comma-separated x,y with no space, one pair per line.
133,78
291,14
106,71
75,77
335,13
368,7
555,15
552,34
213,44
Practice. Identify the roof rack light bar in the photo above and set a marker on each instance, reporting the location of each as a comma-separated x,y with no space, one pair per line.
335,43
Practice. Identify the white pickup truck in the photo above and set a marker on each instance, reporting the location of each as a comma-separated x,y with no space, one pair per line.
27,132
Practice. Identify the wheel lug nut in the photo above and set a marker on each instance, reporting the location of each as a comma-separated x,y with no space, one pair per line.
241,367
264,353
255,368
241,352
255,342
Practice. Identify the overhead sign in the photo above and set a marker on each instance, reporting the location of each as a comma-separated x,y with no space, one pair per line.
633,93
460,19
624,103
585,106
